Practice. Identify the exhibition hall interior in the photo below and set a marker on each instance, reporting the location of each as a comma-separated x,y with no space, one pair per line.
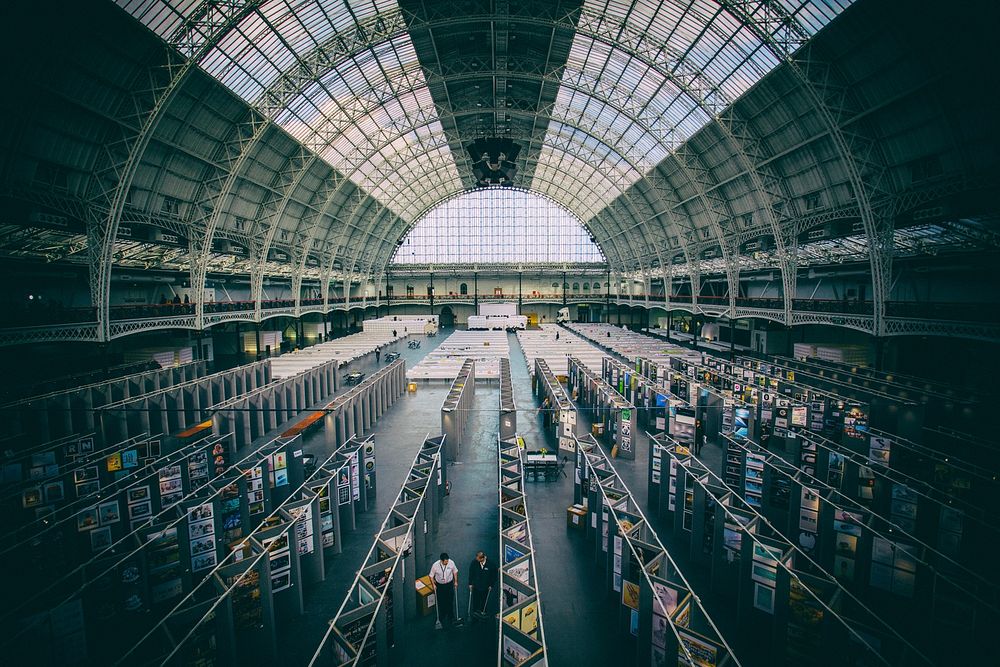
496,332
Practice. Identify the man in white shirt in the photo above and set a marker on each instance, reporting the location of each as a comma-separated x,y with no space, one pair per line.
444,579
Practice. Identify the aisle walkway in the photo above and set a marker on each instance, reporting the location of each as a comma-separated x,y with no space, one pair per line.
579,622
469,523
398,435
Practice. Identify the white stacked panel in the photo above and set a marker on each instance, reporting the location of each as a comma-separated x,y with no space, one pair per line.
445,361
414,324
500,322
542,343
498,309
344,349
631,344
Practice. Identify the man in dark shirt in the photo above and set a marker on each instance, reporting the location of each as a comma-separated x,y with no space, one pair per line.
480,584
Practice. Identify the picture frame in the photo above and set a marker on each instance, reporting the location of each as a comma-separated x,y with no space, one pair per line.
87,489
109,513
763,598
137,494
140,510
87,519
31,497
100,539
55,492
85,474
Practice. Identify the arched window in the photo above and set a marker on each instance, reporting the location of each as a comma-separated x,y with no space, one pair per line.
576,287
492,225
463,289
597,287
586,287
409,291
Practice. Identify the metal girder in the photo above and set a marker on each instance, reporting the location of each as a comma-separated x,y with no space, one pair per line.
780,33
114,180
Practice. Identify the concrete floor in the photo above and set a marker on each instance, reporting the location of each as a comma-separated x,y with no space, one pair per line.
580,624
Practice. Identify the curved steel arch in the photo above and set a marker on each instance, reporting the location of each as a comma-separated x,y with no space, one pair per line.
207,30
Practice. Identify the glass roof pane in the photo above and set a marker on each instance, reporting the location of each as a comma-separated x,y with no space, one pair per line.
492,225
654,113
360,116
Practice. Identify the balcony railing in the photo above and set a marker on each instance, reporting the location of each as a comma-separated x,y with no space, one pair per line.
49,315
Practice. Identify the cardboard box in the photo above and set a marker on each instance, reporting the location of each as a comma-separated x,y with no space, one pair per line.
576,517
425,595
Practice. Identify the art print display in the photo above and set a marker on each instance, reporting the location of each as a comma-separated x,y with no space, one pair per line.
630,594
856,422
741,423
87,519
140,510
109,513
164,563
513,652
879,449
248,612
198,469
100,539
661,628
894,567
303,529
356,475
171,485
54,492
763,598
31,497
664,600
277,466
279,555
703,653
137,494
85,474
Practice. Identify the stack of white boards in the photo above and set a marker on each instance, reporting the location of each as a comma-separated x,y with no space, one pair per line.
542,343
500,322
445,361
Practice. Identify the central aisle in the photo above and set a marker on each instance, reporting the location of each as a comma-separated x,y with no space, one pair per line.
469,523
579,625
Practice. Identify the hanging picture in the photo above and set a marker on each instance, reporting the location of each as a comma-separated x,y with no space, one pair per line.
630,594
109,512
31,497
100,539
763,598
87,519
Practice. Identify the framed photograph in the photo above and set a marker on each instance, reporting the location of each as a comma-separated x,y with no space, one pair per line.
54,492
87,519
280,582
201,528
154,448
31,497
85,474
764,575
140,510
763,598
202,545
808,520
203,562
138,494
100,539
200,512
109,513
87,489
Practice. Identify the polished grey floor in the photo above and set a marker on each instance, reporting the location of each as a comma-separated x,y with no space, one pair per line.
580,620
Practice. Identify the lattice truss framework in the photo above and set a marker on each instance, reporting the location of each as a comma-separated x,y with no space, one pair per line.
351,120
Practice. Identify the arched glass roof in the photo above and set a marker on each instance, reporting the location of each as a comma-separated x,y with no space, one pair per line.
349,79
498,225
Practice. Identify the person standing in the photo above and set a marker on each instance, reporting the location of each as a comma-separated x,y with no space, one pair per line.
378,354
444,579
480,584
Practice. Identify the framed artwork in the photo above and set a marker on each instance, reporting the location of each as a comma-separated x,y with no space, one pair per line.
54,492
100,539
137,494
85,474
87,489
140,510
31,497
763,598
87,519
109,512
